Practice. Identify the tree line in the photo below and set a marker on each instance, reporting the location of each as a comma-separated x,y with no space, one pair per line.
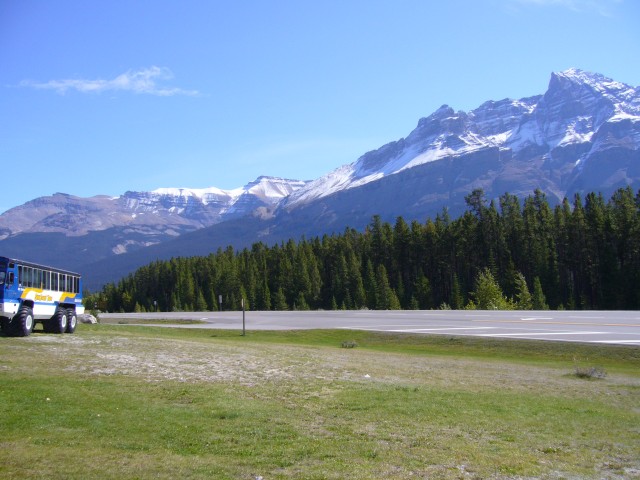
506,253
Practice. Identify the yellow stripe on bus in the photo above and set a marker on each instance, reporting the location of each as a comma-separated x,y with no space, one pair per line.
40,297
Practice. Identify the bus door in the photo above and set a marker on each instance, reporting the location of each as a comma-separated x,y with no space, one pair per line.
3,279
8,281
8,292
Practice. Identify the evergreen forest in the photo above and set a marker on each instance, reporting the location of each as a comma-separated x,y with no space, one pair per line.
506,254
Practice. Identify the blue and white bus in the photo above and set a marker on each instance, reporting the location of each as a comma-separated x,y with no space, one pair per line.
31,293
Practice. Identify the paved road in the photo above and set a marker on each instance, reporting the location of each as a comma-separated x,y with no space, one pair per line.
620,327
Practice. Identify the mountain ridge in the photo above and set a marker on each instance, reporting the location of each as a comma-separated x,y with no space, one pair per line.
182,209
509,124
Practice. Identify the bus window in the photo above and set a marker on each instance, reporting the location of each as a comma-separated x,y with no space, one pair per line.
20,275
54,281
2,275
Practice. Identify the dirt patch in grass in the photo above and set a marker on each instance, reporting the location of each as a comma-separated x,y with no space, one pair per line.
155,359
248,363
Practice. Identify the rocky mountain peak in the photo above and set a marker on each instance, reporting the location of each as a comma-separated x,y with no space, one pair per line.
579,102
587,89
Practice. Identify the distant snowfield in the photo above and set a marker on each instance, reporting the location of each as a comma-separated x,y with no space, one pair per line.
264,187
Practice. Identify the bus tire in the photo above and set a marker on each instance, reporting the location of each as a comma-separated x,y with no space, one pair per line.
72,321
59,321
23,322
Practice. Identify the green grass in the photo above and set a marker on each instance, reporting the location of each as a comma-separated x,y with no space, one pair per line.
143,402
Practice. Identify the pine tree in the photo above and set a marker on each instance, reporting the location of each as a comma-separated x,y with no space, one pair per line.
457,300
383,290
513,227
413,303
394,302
201,304
488,294
625,229
370,285
263,296
423,293
301,302
334,304
539,302
523,300
280,301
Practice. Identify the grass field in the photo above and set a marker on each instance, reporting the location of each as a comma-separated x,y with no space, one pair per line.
119,401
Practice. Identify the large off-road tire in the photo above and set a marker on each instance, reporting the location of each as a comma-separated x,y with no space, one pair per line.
58,323
22,323
72,321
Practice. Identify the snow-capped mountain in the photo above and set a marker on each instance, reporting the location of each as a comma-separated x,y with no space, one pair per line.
581,112
581,135
164,212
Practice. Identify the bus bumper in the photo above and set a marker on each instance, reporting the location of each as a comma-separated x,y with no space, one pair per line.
8,309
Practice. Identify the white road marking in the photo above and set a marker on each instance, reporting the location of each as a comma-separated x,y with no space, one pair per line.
378,328
541,333
413,325
442,329
526,334
625,342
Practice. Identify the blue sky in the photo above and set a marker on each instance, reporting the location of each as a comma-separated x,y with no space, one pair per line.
101,97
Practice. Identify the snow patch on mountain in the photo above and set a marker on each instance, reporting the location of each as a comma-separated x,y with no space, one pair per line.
268,189
204,195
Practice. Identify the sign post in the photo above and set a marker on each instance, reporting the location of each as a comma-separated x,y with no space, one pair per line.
243,329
